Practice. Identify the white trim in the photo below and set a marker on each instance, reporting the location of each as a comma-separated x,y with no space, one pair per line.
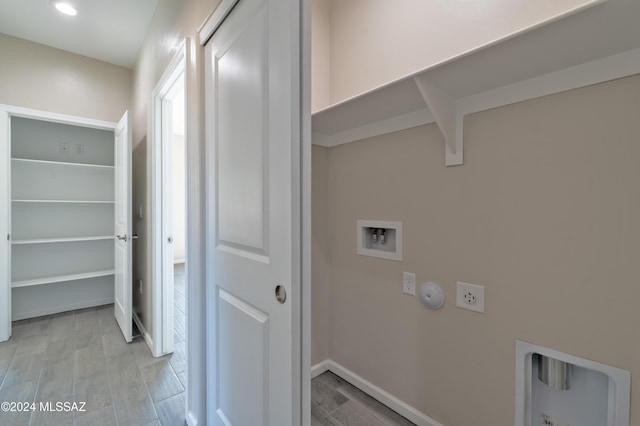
145,334
377,128
195,398
192,419
213,22
5,224
400,407
65,308
162,296
590,73
319,368
35,114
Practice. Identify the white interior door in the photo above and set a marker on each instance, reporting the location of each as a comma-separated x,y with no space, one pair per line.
253,216
123,285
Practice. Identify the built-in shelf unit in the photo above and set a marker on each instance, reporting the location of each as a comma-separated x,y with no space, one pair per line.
563,53
61,207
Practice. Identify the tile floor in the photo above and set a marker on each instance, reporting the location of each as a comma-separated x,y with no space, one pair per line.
81,356
336,402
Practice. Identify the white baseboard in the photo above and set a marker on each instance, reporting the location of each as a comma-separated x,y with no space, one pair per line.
191,419
57,309
319,368
143,330
380,394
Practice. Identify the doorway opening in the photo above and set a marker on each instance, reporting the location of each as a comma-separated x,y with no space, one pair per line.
169,212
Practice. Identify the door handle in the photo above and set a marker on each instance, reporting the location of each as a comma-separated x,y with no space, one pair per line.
281,294
170,240
122,237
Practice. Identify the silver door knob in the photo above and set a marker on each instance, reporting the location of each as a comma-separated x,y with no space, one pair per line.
122,237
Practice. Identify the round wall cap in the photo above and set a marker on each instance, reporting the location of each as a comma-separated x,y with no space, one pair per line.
431,295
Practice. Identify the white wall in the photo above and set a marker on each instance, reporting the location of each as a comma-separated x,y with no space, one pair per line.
372,42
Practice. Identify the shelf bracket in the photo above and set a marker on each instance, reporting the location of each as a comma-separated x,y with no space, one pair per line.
443,107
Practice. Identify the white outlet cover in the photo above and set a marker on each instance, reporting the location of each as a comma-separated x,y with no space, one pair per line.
476,290
409,283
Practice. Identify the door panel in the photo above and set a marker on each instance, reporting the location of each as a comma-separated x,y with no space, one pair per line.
253,215
123,278
243,365
241,163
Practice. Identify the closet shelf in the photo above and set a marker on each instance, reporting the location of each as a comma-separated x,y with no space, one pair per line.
61,163
61,278
536,62
62,240
65,201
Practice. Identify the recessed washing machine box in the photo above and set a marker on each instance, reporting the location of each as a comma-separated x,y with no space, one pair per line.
558,389
379,239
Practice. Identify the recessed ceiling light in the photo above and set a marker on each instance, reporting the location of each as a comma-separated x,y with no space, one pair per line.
65,8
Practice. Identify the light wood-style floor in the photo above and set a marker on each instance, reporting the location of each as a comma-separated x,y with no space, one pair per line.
338,403
81,356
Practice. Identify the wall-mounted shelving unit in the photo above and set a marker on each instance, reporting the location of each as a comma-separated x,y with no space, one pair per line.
61,180
592,44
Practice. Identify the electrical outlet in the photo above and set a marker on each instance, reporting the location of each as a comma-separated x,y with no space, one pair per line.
409,283
470,296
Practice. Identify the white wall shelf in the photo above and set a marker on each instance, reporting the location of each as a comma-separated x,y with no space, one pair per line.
65,201
540,62
37,180
62,240
60,177
61,163
61,278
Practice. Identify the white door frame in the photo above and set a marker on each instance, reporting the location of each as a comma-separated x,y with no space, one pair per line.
5,224
6,112
162,291
188,59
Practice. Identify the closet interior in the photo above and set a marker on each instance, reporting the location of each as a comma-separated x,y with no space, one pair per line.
62,216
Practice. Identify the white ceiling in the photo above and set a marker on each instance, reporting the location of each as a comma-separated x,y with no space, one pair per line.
108,30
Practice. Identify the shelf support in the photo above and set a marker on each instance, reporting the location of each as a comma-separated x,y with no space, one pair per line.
443,107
